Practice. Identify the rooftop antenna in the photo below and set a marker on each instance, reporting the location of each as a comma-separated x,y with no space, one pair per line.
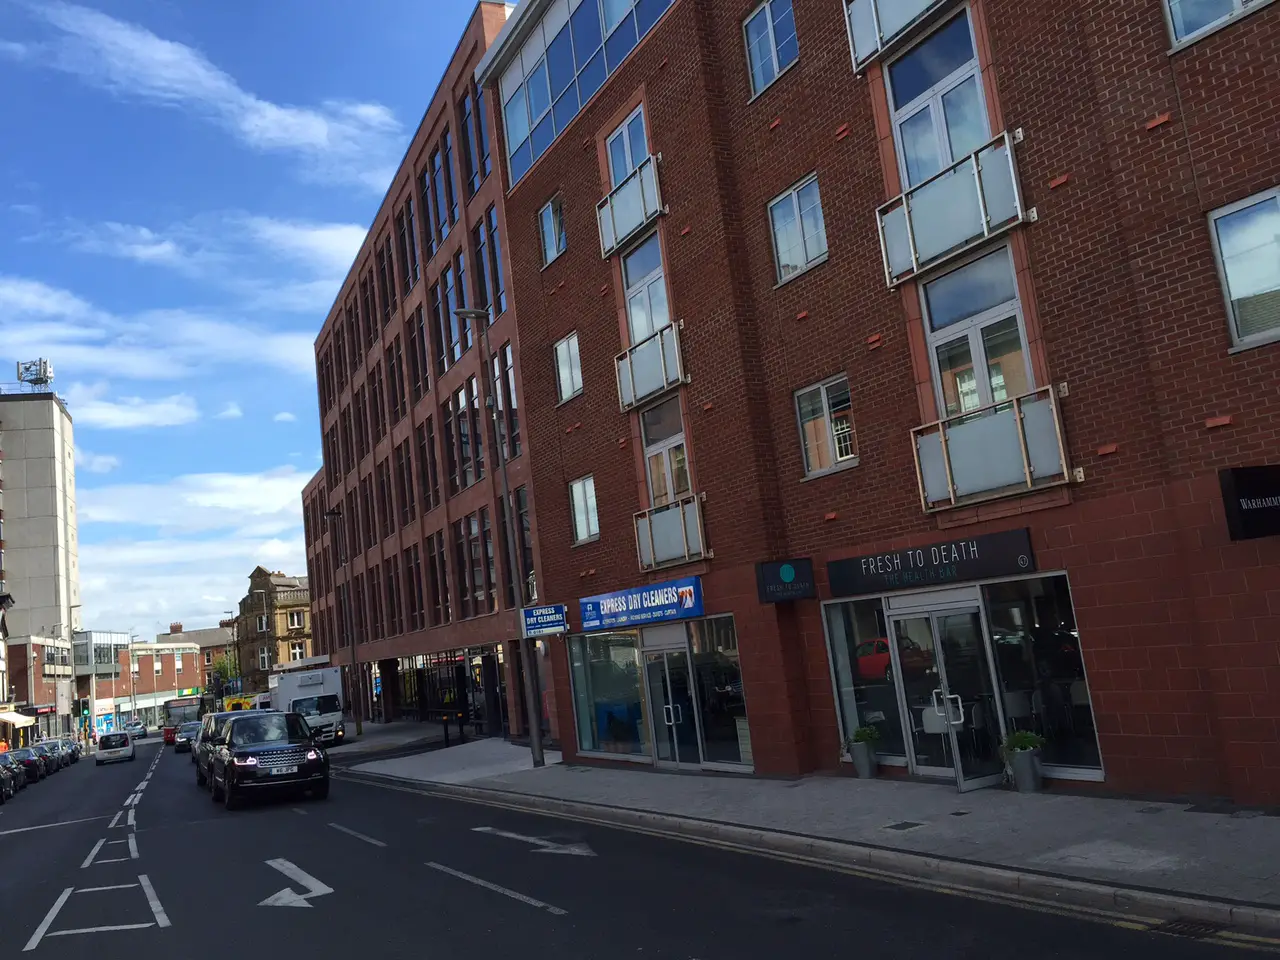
36,373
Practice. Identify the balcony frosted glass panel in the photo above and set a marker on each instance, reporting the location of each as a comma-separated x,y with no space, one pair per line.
996,171
670,534
897,246
632,204
894,16
944,214
649,368
1042,440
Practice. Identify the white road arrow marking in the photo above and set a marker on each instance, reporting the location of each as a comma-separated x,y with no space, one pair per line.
288,897
544,846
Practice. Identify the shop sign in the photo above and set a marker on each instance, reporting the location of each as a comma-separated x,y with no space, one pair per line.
1251,499
546,621
785,580
951,561
673,600
40,710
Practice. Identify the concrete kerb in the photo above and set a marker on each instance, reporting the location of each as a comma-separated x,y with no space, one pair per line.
1034,888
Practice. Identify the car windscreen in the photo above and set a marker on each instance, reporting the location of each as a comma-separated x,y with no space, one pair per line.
189,729
114,741
40,748
267,728
21,754
314,706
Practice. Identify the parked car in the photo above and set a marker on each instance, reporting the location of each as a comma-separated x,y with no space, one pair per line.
73,748
115,746
259,753
136,729
8,786
14,767
52,761
32,763
63,752
185,734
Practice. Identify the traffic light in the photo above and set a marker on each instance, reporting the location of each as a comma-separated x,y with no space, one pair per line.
84,707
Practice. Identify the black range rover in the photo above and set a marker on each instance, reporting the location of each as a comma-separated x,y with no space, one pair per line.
266,753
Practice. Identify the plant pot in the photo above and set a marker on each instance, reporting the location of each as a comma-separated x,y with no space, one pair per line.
1025,765
864,760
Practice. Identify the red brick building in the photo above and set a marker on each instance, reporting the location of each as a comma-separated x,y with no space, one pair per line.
135,680
412,451
36,672
960,308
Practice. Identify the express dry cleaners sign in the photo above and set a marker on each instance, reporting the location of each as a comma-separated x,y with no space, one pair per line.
659,602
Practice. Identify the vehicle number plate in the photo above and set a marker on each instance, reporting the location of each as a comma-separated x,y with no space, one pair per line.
280,771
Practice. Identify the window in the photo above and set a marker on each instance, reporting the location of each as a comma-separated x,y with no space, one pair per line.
482,136
473,555
373,581
463,437
415,609
551,229
437,580
419,356
827,435
405,493
156,663
582,498
627,146
974,325
568,368
177,663
262,623
1190,17
264,662
297,619
507,411
799,231
386,502
666,463
1246,242
499,300
935,95
391,582
133,666
771,43
647,310
394,363
208,658
470,162
428,211
428,469
439,198
370,525
297,650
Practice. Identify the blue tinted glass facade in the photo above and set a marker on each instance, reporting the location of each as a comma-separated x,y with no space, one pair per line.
576,64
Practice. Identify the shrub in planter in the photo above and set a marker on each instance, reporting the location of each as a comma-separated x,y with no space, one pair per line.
861,748
1021,752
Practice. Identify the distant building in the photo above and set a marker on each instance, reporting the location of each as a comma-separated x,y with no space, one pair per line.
214,643
274,626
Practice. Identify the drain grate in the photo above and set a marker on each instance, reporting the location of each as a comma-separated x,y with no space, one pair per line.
1193,929
904,825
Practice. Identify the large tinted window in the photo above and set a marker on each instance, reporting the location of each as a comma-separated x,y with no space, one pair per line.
267,728
114,741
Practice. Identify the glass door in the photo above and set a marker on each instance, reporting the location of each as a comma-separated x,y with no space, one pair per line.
672,708
946,681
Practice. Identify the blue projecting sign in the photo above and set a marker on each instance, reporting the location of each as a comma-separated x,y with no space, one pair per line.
546,621
673,600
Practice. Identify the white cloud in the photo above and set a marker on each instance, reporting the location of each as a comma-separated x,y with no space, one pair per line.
284,416
231,411
329,247
129,242
90,407
337,141
13,50
156,552
96,462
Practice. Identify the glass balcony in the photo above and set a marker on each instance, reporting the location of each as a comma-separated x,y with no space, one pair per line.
972,200
670,534
1003,450
876,25
634,203
650,367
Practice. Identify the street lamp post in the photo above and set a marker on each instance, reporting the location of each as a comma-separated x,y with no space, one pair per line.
533,716
334,518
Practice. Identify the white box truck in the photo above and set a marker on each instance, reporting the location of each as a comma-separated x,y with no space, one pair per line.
317,695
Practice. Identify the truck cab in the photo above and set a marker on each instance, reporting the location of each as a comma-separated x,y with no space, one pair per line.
317,696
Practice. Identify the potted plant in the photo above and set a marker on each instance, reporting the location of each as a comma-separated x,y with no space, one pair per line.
861,748
1021,752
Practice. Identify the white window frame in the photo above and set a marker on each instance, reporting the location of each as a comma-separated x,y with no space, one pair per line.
645,285
297,651
133,665
1238,342
297,619
262,623
766,8
792,196
1239,8
971,328
931,100
208,658
837,462
586,487
621,131
665,448
574,356
264,661
157,664
554,246
177,663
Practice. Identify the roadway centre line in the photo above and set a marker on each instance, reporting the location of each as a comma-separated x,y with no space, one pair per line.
49,917
114,886
114,820
359,836
93,853
128,801
142,786
116,860
46,826
298,810
131,821
497,889
133,846
162,918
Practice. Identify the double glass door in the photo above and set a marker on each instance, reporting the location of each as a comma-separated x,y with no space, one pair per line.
954,718
672,707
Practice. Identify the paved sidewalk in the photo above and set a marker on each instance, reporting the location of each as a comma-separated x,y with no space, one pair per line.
378,737
1125,845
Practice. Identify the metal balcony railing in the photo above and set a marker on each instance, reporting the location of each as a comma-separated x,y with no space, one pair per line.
1003,450
650,367
632,204
671,534
876,25
974,199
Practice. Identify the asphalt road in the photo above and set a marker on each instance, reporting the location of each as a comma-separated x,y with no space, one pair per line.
377,872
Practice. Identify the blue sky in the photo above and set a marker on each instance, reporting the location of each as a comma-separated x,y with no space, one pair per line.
182,188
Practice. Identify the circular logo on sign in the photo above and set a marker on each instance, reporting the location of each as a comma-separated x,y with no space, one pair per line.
787,573
1024,561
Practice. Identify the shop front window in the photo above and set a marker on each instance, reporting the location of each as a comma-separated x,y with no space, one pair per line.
717,674
1040,670
607,694
859,639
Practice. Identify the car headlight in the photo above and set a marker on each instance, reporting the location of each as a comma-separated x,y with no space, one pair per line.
246,761
313,755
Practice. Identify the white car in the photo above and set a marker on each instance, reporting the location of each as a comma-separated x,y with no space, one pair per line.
115,746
